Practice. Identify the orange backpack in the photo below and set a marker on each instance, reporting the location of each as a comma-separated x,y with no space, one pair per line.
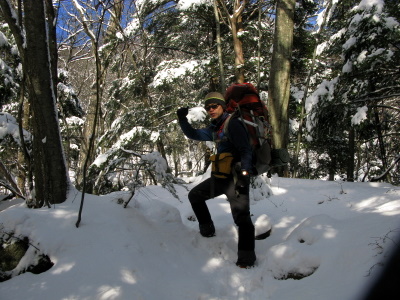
243,102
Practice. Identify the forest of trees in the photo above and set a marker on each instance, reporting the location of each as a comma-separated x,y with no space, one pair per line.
89,89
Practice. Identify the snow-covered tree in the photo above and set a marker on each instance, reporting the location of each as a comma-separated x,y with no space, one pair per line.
10,75
361,94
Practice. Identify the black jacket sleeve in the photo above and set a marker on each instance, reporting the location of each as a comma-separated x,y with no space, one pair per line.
204,134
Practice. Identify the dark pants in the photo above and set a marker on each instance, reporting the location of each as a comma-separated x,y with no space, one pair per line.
238,199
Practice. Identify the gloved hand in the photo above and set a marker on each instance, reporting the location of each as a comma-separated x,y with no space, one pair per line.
243,179
182,112
243,182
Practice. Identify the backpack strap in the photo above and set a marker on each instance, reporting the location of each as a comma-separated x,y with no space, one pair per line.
221,129
238,114
225,127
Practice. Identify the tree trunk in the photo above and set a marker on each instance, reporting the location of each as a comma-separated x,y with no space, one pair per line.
24,158
332,169
52,42
219,49
350,157
380,138
259,29
238,48
279,81
88,128
50,170
236,25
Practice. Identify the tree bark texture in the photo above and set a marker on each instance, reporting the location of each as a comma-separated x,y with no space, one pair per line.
351,156
219,49
239,60
236,26
38,61
279,81
51,182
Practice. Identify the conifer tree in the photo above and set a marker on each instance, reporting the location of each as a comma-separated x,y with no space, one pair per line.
361,94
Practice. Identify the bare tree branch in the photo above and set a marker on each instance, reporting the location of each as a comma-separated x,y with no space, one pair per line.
383,175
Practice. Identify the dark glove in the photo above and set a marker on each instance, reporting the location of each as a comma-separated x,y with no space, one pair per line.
182,113
243,182
243,179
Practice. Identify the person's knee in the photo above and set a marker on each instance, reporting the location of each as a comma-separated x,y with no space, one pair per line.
195,196
192,196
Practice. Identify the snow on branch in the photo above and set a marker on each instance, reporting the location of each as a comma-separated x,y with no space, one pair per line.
9,127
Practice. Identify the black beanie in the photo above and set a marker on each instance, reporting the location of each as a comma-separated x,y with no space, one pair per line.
215,97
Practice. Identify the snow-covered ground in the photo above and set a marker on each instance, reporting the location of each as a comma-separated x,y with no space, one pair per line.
334,233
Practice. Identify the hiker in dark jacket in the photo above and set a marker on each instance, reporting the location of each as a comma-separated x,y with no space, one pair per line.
235,186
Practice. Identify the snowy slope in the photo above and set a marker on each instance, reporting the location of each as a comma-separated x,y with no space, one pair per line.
332,232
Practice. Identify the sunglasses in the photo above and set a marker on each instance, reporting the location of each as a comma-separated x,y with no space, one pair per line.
213,106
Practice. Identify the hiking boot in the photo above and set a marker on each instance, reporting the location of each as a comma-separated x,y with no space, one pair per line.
246,259
245,266
207,230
